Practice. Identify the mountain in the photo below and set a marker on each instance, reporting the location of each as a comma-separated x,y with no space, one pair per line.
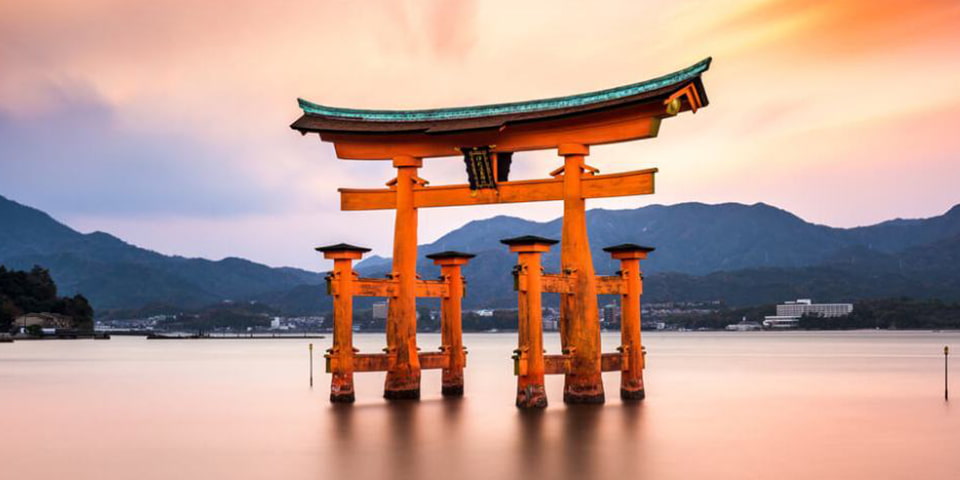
743,254
699,239
114,274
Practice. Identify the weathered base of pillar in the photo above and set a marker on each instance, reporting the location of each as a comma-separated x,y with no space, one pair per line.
632,395
342,397
402,384
532,396
586,393
341,388
452,390
402,394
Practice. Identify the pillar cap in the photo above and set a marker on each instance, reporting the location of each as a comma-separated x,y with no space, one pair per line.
628,247
565,149
342,247
449,254
528,240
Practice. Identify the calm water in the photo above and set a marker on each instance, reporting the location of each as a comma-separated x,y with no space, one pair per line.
719,405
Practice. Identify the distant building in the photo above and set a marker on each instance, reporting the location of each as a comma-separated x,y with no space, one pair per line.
743,326
805,306
484,313
610,314
789,313
44,320
380,311
275,323
780,322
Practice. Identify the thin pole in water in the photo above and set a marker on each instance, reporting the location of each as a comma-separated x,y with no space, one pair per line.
311,365
946,383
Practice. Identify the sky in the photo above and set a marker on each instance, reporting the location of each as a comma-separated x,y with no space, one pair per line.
166,123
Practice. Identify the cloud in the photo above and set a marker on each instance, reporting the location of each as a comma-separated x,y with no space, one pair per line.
168,120
76,159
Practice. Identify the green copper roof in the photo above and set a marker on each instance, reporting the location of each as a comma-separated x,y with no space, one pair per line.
688,73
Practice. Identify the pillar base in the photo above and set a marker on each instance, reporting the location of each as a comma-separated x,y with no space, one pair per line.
341,388
632,395
402,384
452,390
342,397
584,394
532,396
402,394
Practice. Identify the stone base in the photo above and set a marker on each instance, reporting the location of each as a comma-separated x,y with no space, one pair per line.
452,390
532,397
632,395
402,394
342,397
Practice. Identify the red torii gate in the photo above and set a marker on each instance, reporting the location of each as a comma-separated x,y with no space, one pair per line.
487,137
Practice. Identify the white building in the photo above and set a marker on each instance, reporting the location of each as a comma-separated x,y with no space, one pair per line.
789,313
380,311
779,321
805,306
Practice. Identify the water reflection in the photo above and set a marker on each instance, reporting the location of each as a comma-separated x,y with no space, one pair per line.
430,439
860,405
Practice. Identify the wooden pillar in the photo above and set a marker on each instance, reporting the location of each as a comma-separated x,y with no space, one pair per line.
340,284
403,380
579,318
631,348
528,358
451,321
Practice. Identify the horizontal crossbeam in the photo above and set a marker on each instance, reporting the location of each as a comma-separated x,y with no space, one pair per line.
562,364
562,283
640,182
383,362
389,287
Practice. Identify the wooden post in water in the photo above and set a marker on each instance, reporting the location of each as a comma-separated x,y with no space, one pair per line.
403,379
451,326
631,347
946,378
340,284
311,365
579,317
529,364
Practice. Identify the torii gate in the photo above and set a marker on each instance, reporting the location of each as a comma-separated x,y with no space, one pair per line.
487,137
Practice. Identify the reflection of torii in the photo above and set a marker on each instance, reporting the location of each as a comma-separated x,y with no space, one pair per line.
488,136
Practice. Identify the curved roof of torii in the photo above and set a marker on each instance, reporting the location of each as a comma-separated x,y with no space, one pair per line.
320,118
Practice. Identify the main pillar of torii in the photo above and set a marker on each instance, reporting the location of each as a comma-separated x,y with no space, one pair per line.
486,138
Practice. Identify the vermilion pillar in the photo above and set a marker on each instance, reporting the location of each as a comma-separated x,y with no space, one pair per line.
631,376
579,318
340,357
451,327
529,354
403,380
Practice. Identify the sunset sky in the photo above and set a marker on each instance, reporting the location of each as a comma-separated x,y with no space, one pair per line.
165,123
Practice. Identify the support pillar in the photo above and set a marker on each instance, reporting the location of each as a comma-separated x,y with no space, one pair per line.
528,358
451,326
631,348
579,318
403,379
340,284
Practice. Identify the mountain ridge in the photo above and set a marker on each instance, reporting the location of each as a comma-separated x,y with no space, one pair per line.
726,245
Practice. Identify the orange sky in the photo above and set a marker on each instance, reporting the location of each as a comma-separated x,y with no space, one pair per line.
165,122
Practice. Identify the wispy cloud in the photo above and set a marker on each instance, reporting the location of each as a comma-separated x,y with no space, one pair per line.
158,120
